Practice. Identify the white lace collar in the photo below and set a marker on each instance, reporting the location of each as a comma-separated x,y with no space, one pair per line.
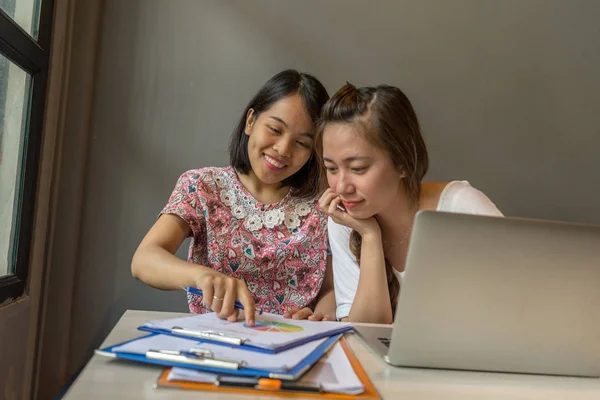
256,215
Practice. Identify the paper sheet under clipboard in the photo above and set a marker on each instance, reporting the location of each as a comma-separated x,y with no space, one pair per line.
271,331
334,372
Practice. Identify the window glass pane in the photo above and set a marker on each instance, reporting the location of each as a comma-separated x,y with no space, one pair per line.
26,13
14,109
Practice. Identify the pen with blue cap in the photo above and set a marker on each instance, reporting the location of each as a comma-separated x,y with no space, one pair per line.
198,292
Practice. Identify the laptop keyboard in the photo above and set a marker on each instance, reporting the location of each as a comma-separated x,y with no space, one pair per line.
385,341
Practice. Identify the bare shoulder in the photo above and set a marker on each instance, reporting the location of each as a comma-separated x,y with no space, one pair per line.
430,194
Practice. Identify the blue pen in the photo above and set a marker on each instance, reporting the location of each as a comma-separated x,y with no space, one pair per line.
198,292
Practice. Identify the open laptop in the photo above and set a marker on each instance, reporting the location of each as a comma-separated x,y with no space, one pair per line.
497,294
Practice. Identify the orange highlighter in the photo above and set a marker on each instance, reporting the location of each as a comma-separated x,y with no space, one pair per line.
267,384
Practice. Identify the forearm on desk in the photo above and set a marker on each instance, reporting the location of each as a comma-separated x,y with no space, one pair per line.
372,300
160,269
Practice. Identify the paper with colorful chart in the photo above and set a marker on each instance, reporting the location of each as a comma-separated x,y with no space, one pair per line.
270,331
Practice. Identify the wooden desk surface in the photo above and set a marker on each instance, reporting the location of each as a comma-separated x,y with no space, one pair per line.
105,378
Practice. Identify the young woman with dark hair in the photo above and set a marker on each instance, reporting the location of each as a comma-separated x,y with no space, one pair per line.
256,233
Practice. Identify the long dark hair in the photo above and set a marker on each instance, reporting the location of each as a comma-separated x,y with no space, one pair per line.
389,122
305,182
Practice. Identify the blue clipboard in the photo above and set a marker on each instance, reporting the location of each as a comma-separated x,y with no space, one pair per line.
228,341
185,360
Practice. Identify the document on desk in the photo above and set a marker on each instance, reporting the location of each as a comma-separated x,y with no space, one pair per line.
333,372
271,332
281,362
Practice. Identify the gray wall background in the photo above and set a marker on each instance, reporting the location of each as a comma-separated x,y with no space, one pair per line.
506,92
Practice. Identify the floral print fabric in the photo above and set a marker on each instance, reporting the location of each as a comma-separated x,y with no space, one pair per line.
279,250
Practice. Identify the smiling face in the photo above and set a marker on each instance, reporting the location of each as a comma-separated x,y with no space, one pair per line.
281,140
361,174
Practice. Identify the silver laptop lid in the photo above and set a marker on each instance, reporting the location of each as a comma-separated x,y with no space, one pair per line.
500,294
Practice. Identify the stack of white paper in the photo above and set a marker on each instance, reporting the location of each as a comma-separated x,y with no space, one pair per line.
333,372
271,331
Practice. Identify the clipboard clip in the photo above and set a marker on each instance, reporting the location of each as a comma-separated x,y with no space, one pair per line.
194,356
208,335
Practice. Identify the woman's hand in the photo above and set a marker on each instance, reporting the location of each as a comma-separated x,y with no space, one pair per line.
329,203
220,292
307,313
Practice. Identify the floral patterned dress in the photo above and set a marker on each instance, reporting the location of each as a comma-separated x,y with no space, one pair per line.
279,250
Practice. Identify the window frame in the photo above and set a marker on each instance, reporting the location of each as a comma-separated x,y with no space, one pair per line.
33,56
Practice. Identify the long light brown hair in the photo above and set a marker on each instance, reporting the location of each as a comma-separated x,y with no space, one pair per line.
388,121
